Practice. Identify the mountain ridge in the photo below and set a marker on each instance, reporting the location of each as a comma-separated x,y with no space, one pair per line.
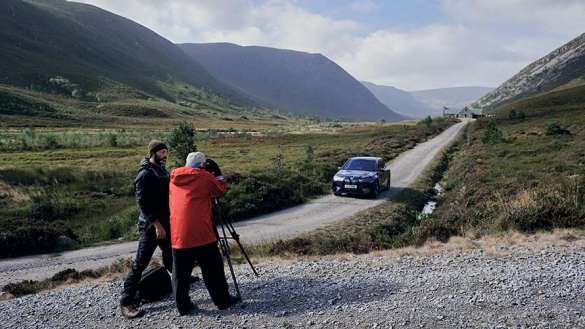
51,42
422,103
563,66
291,81
400,100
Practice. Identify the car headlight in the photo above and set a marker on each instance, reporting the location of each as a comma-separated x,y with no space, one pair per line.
368,178
337,178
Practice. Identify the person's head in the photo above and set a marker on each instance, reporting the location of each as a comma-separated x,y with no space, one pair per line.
195,160
158,152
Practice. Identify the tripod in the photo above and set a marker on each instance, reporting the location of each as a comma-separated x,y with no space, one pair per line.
227,226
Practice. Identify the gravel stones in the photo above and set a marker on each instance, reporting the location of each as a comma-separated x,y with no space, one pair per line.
525,289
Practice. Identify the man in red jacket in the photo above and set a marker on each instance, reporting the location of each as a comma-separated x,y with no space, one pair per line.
193,235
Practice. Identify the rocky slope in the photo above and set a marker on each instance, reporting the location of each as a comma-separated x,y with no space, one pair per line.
563,66
520,286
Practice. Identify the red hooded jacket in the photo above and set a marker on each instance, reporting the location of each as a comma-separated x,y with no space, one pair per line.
190,195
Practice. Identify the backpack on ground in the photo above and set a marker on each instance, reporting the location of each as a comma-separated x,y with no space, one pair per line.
155,285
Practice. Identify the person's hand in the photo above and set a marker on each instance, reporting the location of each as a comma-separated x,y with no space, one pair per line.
212,167
160,230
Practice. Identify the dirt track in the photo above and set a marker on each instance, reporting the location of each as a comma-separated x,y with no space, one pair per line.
289,222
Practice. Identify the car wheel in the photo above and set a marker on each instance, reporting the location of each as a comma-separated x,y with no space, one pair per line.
375,190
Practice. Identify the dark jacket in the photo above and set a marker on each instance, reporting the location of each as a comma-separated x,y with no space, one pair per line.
152,194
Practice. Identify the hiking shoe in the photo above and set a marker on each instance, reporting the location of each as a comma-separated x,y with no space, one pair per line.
188,310
232,300
131,311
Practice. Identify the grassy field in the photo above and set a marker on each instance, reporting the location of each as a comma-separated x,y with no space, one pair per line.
524,174
77,183
29,108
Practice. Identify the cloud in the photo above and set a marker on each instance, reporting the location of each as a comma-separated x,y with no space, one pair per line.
552,16
478,42
437,55
285,25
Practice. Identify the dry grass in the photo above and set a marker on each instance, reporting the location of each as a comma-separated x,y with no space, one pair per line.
494,245
69,277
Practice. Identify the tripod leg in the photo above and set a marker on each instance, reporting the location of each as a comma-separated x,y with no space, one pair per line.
225,248
246,256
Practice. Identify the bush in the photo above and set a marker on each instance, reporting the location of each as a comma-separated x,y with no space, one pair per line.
545,208
112,140
427,122
492,135
51,142
30,237
50,206
555,129
516,115
122,225
260,194
182,142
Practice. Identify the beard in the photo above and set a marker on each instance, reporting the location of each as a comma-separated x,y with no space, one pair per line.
160,161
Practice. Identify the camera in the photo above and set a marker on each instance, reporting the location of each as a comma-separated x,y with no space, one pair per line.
212,167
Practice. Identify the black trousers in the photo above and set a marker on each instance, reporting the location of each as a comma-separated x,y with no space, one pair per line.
211,263
146,246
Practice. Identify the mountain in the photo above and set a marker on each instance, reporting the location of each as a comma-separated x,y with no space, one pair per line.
454,98
82,51
562,68
291,81
401,101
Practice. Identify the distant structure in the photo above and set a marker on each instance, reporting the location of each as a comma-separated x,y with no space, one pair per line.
466,112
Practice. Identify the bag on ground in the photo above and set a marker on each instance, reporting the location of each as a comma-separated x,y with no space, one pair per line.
155,285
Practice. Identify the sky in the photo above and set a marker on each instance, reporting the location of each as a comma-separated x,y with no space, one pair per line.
409,44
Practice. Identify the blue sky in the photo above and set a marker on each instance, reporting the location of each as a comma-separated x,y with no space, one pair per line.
409,44
375,15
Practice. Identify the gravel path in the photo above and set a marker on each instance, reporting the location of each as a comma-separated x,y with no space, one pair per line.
289,222
526,287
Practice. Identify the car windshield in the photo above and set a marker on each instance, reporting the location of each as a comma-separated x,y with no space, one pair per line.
360,164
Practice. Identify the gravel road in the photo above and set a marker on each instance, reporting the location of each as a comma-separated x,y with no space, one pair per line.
289,222
519,287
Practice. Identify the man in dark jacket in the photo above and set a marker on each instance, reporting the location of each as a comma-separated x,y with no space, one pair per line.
152,196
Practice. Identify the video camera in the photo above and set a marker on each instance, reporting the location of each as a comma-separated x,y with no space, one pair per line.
212,167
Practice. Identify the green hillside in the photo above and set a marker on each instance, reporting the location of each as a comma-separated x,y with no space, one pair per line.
73,61
570,98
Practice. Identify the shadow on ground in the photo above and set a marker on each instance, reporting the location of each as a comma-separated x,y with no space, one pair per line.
285,296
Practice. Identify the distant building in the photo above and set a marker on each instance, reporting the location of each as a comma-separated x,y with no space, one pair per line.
466,112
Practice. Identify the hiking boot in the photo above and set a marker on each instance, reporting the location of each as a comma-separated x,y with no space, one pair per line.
232,300
131,311
190,308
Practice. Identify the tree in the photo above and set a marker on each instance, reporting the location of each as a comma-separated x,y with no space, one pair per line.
492,135
428,121
182,142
